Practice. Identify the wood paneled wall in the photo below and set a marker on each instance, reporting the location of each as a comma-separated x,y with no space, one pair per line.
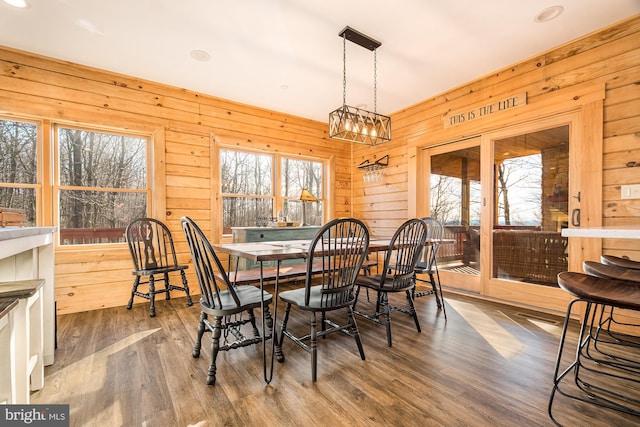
187,128
609,57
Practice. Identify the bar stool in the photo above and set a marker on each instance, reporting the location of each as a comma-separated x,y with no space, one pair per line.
607,319
601,381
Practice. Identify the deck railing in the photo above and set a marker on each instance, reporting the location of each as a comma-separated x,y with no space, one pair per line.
87,236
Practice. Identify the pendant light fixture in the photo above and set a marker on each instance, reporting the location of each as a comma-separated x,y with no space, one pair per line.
355,124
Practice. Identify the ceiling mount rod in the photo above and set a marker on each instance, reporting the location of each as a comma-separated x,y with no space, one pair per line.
360,39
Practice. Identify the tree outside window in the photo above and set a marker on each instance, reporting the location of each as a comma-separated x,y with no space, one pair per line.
249,183
297,175
102,184
18,172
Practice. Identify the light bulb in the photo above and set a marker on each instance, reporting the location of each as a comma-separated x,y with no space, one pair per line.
347,125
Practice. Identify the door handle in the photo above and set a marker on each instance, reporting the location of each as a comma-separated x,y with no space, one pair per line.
575,217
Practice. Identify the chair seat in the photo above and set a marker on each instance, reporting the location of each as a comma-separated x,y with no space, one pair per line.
425,270
296,297
148,272
249,296
375,282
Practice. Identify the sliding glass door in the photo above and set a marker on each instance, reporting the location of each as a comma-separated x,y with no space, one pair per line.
530,206
504,198
455,194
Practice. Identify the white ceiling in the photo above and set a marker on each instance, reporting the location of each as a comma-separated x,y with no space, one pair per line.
285,55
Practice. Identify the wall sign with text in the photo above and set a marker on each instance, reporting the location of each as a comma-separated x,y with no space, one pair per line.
459,117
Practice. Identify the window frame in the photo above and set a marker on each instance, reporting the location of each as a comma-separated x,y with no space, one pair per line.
47,212
38,185
57,188
278,198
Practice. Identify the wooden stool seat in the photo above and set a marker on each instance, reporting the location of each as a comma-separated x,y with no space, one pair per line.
609,271
617,293
620,262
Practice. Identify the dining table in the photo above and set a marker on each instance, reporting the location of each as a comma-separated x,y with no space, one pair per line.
279,251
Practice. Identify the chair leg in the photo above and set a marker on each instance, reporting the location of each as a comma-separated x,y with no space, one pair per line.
355,297
134,289
323,325
412,311
268,320
314,347
215,346
386,314
444,308
432,279
201,329
152,296
353,328
283,328
167,286
185,285
252,319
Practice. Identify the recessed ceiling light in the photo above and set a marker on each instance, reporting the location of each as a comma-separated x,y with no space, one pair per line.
284,87
200,55
17,3
548,14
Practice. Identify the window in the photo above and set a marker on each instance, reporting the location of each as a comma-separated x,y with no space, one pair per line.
19,181
296,175
249,182
247,188
102,184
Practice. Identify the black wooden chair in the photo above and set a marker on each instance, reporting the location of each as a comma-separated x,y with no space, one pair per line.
154,258
225,303
427,264
593,377
397,274
341,246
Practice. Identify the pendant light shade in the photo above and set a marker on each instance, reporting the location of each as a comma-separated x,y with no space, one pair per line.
354,124
360,126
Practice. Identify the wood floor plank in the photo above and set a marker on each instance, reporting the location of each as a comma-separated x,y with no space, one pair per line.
488,364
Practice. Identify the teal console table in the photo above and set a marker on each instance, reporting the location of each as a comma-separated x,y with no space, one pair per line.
271,234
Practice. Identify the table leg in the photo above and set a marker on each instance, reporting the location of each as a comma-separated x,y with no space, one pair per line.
268,373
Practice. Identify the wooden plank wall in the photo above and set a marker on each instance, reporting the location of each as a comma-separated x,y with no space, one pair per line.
190,124
609,57
187,127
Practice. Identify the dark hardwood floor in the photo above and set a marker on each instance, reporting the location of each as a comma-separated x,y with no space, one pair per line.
487,365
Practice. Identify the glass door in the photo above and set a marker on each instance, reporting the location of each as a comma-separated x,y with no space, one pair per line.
504,201
455,194
504,198
529,198
531,206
